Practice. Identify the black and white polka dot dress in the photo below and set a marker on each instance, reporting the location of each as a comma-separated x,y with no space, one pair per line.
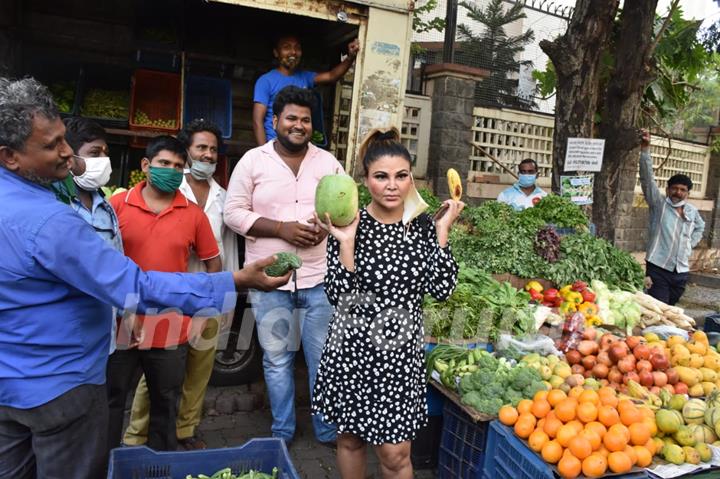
371,379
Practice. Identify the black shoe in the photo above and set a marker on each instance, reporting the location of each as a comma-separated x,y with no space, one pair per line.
192,443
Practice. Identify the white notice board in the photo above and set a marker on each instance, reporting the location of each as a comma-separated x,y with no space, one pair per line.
584,154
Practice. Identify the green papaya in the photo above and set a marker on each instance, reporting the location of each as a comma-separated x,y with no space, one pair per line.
337,195
285,262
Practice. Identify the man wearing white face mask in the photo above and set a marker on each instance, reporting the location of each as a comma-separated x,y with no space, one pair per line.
675,228
525,193
91,171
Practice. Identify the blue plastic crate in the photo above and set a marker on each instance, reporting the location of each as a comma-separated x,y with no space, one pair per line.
712,323
507,457
144,463
211,99
463,444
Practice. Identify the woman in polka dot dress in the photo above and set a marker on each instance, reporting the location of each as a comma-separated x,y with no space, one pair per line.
371,381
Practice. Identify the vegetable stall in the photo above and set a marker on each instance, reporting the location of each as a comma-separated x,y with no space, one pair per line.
554,363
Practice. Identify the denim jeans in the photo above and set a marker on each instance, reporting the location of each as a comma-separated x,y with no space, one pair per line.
284,318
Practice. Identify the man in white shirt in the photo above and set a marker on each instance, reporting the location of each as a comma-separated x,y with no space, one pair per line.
202,140
525,193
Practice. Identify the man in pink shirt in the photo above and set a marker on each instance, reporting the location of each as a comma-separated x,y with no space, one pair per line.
270,201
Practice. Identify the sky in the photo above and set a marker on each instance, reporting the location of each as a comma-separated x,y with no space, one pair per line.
697,9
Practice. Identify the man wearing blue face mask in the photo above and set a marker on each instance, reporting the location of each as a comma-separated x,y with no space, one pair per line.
525,193
675,228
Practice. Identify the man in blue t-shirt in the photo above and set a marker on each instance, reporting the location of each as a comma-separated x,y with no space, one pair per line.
288,53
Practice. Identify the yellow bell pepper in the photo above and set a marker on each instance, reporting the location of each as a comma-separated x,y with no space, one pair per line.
534,285
574,297
592,320
565,290
568,307
588,309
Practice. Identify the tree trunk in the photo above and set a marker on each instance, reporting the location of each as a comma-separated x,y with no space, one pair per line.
615,184
576,58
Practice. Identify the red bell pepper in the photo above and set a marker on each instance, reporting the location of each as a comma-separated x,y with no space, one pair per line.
536,295
588,296
551,294
579,286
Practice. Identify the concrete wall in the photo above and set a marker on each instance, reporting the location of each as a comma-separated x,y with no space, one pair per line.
452,108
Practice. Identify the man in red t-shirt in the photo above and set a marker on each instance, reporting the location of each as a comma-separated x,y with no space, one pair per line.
159,228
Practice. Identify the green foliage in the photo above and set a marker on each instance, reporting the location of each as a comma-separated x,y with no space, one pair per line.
582,256
479,308
700,111
100,103
63,93
364,197
558,211
546,80
681,61
420,25
496,51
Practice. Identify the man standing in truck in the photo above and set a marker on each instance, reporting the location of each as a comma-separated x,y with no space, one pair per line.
288,53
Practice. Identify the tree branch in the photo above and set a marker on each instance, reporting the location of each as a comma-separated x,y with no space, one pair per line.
664,132
665,25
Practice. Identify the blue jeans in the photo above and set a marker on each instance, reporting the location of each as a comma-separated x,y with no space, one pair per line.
284,318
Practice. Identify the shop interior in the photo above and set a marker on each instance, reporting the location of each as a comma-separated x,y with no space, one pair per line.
145,68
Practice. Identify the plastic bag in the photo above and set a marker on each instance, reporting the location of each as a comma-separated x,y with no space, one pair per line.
572,332
537,343
665,331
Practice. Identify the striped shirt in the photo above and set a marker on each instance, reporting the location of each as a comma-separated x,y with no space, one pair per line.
672,235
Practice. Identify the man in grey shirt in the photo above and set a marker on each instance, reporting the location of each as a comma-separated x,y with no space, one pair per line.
675,228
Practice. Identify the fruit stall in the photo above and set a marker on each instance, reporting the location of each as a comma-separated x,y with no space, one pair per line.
553,362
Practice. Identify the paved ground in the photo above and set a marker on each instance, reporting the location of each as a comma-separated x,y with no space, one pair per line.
699,301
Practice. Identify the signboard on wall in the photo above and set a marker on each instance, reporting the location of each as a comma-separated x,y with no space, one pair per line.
578,189
584,154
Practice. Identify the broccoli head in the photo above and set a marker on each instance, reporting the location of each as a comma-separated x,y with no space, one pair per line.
487,362
534,387
521,377
467,383
472,398
513,397
490,406
493,389
483,377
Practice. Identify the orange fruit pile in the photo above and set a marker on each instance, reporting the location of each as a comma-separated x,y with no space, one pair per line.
585,431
